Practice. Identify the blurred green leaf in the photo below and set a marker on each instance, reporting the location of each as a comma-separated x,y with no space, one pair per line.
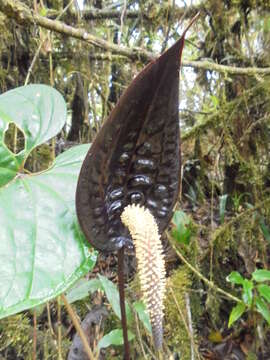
82,289
265,229
236,313
235,278
182,230
112,295
222,207
140,308
115,337
263,309
264,291
266,24
215,100
247,291
43,11
261,275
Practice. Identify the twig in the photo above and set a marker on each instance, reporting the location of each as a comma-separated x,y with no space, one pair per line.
78,328
190,327
169,25
139,336
34,335
123,13
210,284
50,320
29,72
59,329
184,321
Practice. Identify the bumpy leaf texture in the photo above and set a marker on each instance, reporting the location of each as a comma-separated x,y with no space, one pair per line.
135,157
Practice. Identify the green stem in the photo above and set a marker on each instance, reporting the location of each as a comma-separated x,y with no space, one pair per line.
209,283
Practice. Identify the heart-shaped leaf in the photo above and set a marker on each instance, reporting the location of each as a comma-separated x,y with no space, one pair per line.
42,250
39,111
135,158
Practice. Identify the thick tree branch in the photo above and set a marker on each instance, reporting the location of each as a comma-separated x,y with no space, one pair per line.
178,12
22,14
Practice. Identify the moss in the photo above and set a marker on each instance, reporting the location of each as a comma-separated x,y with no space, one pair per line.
176,335
16,336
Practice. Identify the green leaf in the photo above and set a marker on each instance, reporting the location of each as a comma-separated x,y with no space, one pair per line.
43,11
247,291
222,207
265,229
112,295
115,337
82,289
261,275
264,291
263,309
235,278
39,111
182,230
236,313
42,250
215,101
140,308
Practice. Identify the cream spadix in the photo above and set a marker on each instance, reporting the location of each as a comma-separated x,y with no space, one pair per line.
151,265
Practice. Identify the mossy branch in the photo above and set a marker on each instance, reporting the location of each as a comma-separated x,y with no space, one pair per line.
23,15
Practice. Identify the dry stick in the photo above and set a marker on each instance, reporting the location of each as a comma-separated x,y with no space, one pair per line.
35,335
184,321
59,328
34,61
139,336
192,347
121,286
123,13
78,328
49,319
22,15
204,279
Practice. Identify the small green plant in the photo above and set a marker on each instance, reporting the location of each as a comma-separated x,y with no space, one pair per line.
222,207
182,229
255,295
115,336
237,201
265,229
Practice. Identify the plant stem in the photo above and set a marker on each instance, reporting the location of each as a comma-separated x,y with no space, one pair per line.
59,329
121,283
35,335
204,279
78,328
